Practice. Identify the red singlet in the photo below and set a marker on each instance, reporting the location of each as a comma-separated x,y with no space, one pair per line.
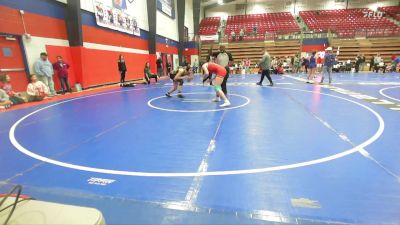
220,71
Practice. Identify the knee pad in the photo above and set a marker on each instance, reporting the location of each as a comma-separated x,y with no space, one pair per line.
217,88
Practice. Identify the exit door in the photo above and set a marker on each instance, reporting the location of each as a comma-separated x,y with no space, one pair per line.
12,62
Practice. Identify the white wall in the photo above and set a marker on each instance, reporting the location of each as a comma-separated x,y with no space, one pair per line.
375,4
223,11
166,26
35,45
189,17
201,13
87,5
175,59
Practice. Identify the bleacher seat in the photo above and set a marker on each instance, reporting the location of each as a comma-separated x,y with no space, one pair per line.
277,23
209,25
393,11
345,22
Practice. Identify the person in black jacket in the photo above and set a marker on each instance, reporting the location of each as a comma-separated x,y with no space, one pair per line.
169,67
122,69
160,67
358,63
371,63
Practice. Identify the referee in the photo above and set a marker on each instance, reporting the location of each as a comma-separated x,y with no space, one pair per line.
224,59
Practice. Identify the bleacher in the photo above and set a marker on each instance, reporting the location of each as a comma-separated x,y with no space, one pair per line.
350,48
346,22
393,11
379,35
209,25
255,50
276,23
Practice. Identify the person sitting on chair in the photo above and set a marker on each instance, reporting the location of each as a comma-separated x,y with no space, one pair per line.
148,75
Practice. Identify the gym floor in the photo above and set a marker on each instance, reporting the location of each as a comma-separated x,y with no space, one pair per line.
294,153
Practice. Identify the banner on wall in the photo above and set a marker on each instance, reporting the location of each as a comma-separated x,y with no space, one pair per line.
116,15
167,7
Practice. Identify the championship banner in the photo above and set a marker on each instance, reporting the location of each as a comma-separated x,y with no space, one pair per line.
116,15
167,7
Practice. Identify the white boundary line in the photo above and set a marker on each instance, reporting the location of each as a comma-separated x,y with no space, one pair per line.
387,96
149,103
357,148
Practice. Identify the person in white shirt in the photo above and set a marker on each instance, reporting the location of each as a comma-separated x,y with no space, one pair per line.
233,36
36,89
241,34
377,61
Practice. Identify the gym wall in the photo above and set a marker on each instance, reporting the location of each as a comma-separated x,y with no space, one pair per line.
96,62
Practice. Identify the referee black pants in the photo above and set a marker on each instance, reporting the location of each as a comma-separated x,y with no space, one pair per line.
223,85
265,73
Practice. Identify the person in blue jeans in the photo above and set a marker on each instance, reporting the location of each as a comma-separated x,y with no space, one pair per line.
311,66
328,64
44,71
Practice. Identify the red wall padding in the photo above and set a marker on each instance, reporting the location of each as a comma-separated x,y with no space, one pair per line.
190,51
106,37
19,80
313,48
53,52
91,67
152,61
100,67
164,49
36,25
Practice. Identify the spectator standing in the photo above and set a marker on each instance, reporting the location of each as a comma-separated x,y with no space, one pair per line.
265,65
296,64
44,71
241,34
160,68
122,70
363,61
371,63
312,65
247,64
233,36
377,61
330,61
195,66
254,30
62,72
169,68
358,63
319,63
